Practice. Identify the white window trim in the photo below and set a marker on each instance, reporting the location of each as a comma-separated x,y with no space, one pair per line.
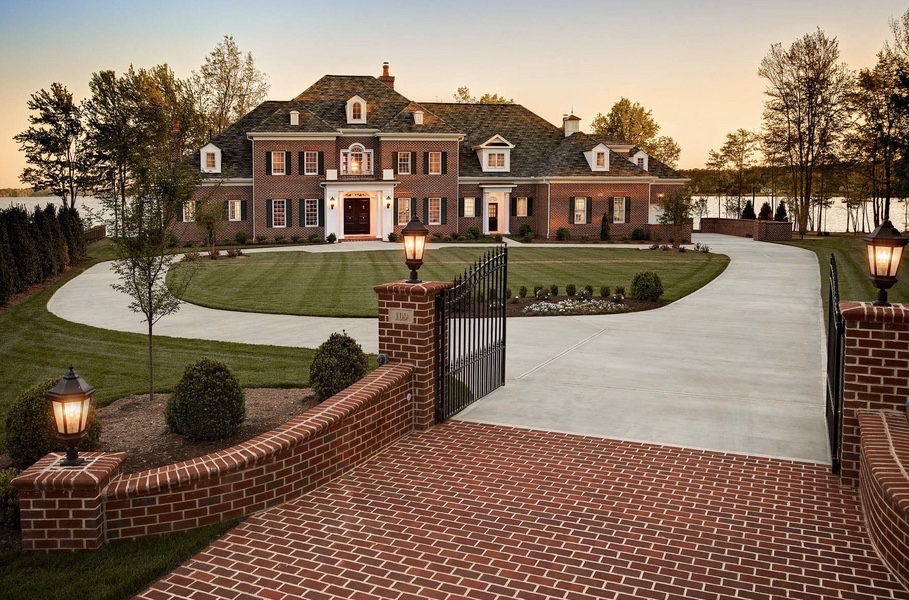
618,216
350,105
429,169
403,155
306,213
429,220
367,158
582,212
407,211
306,155
473,207
274,213
518,212
239,211
591,156
189,211
283,156
203,154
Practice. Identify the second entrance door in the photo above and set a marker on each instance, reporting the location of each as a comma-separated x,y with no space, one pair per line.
356,216
493,218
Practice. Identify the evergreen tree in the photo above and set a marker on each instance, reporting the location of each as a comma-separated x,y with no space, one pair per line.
9,276
766,212
781,212
604,227
748,211
24,249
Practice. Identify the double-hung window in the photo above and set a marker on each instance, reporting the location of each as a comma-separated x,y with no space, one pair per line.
495,160
404,163
601,160
311,215
277,163
210,160
618,208
435,163
641,162
403,211
310,163
189,211
234,210
470,207
580,211
279,213
521,207
435,211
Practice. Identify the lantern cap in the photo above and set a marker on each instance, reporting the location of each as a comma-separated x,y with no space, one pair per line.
415,227
886,235
71,385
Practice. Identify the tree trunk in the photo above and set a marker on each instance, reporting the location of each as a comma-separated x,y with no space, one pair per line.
151,365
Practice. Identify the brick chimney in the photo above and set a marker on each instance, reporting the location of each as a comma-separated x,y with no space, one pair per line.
387,79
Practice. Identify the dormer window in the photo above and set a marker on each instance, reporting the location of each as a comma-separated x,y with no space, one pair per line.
210,159
640,159
495,154
356,160
598,158
294,117
356,110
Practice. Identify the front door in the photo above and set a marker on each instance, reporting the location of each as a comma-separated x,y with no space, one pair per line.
493,218
356,216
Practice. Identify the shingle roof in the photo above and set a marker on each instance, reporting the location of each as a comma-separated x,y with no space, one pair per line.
236,149
568,160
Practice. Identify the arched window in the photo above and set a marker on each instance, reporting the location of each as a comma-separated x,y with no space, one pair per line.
356,160
356,154
356,111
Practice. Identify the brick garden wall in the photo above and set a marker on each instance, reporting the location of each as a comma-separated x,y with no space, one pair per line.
769,231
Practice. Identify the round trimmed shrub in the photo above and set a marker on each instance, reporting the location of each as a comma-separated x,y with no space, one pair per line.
338,363
646,286
9,499
207,404
30,429
563,234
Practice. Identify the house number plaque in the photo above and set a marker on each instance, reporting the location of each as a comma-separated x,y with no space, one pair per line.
401,316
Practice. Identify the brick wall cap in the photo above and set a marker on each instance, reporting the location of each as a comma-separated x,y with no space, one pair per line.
95,472
422,290
867,312
311,423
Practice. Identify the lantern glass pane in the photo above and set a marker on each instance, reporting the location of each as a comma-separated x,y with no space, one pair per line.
420,246
58,417
882,256
72,413
409,246
895,260
83,423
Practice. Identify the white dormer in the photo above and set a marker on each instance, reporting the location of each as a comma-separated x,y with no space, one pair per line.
598,158
640,159
210,158
418,117
356,110
294,117
495,154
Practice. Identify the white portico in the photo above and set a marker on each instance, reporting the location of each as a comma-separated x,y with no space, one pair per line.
359,209
496,202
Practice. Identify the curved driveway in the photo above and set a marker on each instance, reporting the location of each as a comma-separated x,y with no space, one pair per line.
737,366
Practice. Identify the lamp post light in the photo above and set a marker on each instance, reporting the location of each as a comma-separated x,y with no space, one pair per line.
885,249
70,399
415,234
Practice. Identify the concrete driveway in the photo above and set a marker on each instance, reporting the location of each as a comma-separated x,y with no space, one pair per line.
737,366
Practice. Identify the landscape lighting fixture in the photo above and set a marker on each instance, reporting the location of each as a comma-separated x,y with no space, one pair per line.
415,234
71,399
885,249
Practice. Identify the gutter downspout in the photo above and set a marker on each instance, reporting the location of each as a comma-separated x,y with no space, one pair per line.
253,217
548,208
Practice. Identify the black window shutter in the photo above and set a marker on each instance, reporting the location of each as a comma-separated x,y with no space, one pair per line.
180,212
610,208
196,206
444,163
287,170
289,213
268,221
301,162
302,207
627,209
268,163
394,215
321,163
529,207
571,209
444,211
589,209
227,210
394,161
514,206
413,163
321,210
242,210
426,163
461,207
425,210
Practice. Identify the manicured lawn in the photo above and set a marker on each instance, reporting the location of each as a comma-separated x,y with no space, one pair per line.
852,268
117,571
340,284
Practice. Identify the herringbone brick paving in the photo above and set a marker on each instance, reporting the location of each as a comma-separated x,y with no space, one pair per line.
480,511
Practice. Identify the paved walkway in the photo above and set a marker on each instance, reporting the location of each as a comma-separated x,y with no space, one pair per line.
468,510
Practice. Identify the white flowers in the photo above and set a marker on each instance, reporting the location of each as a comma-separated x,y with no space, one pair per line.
575,307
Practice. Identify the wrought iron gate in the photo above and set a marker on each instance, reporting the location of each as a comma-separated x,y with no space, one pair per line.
835,364
470,334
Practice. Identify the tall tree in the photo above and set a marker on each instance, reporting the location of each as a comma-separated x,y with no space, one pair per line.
229,84
632,123
807,108
738,153
462,96
54,145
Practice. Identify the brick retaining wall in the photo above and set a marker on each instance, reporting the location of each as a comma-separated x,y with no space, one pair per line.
762,231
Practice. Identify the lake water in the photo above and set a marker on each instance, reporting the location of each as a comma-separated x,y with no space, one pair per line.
834,217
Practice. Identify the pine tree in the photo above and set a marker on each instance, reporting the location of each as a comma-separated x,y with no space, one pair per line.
781,212
766,212
748,211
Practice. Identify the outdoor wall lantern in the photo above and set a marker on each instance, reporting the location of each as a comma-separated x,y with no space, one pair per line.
331,203
70,399
415,234
387,201
885,249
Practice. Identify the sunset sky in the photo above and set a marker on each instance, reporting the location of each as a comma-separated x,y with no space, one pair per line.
694,64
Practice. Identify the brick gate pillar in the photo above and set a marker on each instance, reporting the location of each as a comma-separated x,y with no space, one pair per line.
62,508
407,320
876,373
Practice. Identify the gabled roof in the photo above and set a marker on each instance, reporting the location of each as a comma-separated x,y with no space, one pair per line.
236,149
568,160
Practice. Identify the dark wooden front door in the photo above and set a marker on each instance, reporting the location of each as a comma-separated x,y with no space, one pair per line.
356,216
493,218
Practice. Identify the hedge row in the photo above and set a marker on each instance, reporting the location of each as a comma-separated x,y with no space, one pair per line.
36,246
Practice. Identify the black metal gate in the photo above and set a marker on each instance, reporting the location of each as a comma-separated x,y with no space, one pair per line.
470,334
835,363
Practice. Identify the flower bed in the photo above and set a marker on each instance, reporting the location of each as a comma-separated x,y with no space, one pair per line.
571,306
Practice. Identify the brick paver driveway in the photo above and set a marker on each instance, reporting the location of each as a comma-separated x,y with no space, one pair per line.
470,510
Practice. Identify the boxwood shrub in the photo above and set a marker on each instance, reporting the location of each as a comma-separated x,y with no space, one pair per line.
338,363
207,404
646,286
